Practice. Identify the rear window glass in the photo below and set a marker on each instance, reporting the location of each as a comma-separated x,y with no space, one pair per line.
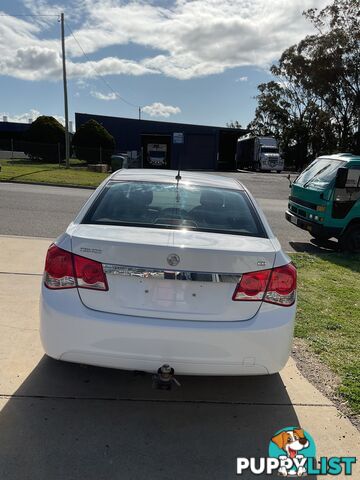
164,205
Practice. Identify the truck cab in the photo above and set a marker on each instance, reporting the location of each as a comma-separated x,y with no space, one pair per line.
269,155
325,200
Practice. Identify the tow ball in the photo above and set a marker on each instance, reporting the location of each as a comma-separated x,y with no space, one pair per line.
164,379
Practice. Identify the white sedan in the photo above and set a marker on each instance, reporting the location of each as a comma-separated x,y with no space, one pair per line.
160,268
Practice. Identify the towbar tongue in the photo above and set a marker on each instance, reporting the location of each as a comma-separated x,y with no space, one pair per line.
164,378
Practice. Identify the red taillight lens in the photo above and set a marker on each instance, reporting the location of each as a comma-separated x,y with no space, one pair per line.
59,270
252,286
89,273
65,270
282,286
276,286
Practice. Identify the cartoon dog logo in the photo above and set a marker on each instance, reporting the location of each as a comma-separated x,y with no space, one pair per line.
292,442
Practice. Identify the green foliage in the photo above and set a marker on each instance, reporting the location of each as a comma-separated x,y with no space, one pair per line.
313,107
328,315
93,143
42,139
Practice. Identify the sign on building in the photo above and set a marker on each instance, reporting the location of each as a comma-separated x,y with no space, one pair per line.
178,137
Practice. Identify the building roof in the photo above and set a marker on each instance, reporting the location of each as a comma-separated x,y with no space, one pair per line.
161,122
14,126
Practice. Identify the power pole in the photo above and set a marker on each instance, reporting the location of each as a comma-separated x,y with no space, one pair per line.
67,139
139,113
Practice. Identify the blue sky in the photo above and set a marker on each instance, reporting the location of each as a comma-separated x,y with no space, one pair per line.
195,61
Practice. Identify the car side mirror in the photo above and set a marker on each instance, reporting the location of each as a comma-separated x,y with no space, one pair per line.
341,177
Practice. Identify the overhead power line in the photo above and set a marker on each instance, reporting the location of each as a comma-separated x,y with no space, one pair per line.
29,15
99,74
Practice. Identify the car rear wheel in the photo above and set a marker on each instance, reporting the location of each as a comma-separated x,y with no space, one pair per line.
350,240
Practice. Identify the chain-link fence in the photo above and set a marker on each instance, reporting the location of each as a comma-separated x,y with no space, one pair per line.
20,149
14,149
95,159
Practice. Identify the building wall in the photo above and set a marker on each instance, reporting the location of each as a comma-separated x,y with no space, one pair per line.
13,129
199,150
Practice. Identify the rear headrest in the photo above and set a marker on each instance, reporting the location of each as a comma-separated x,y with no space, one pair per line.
211,199
233,201
141,197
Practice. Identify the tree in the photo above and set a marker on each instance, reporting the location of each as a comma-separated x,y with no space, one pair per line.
43,138
286,111
93,143
332,66
313,107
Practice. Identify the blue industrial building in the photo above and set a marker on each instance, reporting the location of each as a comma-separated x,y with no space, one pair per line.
168,144
13,129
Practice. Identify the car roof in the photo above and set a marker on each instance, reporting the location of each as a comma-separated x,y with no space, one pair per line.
159,175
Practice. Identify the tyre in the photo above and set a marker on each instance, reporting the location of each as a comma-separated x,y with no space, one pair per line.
350,239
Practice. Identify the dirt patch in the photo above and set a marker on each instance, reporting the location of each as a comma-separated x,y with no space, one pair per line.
326,381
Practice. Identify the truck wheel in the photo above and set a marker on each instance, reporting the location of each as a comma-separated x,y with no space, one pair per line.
350,240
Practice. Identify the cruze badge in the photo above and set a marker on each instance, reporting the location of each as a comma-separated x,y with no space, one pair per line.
173,259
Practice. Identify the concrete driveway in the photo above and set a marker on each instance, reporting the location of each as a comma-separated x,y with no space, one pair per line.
66,421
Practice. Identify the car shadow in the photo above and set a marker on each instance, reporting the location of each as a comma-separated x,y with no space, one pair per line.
67,421
343,259
315,246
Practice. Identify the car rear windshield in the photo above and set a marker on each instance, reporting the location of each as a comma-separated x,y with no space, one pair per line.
168,205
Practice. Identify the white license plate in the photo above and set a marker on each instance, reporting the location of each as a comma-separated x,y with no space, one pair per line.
293,220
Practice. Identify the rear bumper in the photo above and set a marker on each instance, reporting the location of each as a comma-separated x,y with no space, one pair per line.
72,332
312,227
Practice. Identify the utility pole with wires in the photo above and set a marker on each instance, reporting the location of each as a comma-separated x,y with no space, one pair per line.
67,138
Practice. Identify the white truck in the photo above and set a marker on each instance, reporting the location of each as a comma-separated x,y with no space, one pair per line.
258,153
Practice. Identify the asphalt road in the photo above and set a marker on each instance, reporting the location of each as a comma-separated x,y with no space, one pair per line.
41,211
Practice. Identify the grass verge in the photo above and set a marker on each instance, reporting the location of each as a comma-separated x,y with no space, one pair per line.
32,172
328,316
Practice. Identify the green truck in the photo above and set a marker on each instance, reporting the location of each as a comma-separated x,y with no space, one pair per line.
325,200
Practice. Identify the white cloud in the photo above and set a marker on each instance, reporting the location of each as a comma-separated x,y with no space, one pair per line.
188,38
31,63
242,79
106,66
104,96
32,114
158,109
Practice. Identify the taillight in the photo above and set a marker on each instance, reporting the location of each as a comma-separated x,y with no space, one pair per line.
89,274
282,286
66,270
59,270
252,285
276,286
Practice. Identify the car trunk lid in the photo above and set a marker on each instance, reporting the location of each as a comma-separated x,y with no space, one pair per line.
177,274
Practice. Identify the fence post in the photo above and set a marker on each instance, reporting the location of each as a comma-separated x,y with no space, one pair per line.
59,154
12,149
